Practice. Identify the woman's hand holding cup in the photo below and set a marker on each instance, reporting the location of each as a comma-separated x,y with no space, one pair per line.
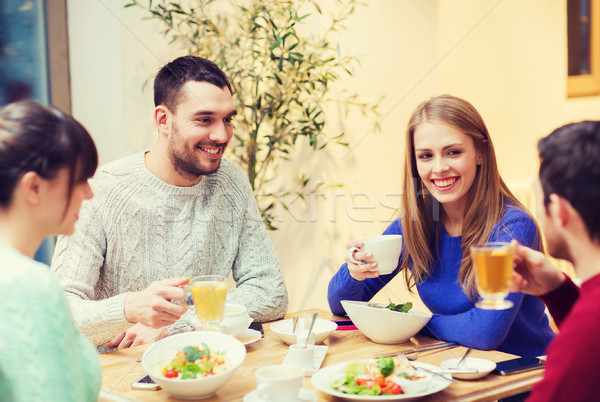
372,256
358,267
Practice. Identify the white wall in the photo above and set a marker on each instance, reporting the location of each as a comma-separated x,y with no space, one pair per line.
507,57
114,56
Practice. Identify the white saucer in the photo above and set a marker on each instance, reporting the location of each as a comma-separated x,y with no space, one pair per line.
249,336
482,367
305,395
320,352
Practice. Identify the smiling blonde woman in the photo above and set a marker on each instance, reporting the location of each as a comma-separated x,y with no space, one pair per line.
453,197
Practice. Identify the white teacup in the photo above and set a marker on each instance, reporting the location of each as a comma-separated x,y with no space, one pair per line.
279,383
235,319
385,249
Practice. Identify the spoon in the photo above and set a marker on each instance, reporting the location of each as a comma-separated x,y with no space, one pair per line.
312,324
469,350
294,322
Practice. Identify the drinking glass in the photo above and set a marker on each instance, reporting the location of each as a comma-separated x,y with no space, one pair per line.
209,292
493,264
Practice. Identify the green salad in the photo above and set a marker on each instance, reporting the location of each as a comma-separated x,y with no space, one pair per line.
194,362
403,308
369,377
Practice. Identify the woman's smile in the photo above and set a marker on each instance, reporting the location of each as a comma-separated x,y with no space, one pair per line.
446,183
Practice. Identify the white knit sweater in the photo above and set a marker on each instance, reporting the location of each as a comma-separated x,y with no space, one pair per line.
138,229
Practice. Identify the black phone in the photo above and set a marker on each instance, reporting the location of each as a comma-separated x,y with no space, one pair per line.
518,365
145,384
257,326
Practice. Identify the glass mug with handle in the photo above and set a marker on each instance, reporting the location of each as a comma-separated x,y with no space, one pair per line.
493,264
209,293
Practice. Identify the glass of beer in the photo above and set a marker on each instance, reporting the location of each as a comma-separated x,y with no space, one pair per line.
493,264
209,292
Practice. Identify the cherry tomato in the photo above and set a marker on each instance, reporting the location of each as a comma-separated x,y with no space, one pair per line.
365,382
171,374
391,388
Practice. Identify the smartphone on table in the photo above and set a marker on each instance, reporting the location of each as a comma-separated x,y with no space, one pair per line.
145,384
518,365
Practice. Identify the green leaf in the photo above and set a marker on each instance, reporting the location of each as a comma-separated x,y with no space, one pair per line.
404,308
386,366
192,354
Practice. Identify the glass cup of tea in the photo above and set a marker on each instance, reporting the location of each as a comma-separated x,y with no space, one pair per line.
493,264
209,292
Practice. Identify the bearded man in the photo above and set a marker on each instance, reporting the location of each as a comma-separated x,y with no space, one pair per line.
168,214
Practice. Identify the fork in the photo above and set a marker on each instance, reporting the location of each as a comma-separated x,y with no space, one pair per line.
405,359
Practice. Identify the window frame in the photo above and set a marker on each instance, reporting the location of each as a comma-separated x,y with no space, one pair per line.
58,54
589,84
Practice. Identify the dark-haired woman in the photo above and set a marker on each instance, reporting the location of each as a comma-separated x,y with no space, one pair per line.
46,158
453,198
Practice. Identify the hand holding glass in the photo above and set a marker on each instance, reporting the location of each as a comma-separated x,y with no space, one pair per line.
493,264
209,292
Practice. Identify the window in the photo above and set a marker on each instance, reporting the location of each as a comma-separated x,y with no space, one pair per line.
583,42
34,56
34,61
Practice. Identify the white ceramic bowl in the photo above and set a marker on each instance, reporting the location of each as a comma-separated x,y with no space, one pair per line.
235,319
382,325
322,329
483,367
413,382
164,351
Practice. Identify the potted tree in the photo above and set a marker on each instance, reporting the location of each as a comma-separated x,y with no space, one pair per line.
281,68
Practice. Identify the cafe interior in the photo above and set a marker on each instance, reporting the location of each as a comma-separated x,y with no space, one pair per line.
528,67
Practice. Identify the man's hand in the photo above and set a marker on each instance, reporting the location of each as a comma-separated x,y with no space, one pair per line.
533,273
139,334
153,306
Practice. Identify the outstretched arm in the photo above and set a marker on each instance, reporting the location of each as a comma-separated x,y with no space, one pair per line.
536,276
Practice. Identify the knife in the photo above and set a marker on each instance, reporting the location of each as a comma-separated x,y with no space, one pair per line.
418,349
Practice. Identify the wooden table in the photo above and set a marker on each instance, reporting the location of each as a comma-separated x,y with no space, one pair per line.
121,368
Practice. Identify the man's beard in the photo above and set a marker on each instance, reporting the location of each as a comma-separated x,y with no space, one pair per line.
558,248
556,244
186,163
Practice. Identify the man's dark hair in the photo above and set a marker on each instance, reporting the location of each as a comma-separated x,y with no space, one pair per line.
570,168
173,76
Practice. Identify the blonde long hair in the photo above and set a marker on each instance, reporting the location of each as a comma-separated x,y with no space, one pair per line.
421,214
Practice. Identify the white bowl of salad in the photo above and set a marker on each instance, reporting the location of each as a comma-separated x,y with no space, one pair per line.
193,365
388,324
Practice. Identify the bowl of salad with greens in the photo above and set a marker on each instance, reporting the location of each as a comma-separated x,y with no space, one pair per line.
401,320
193,364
